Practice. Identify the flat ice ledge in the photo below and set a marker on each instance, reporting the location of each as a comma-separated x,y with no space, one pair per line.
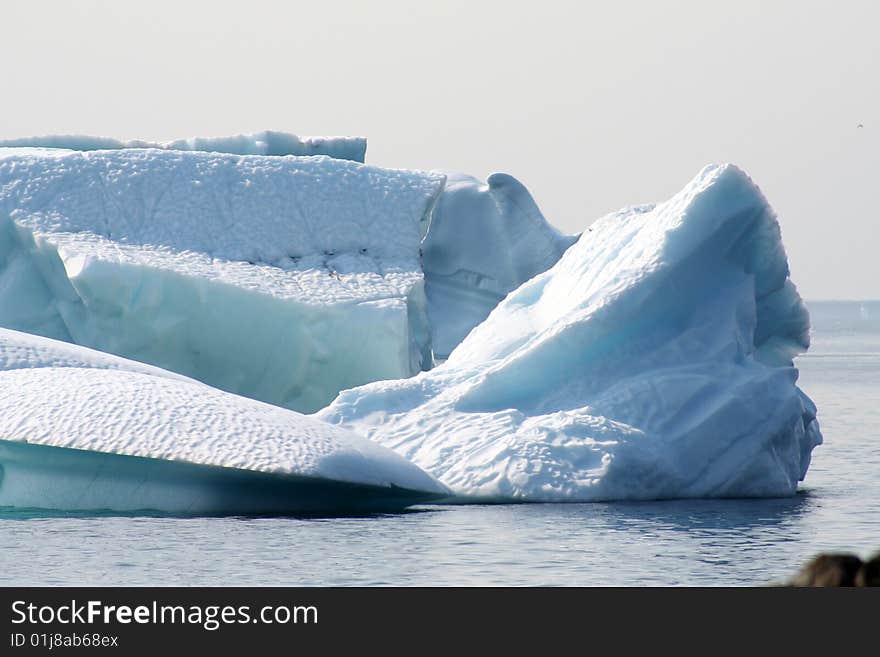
268,142
83,430
246,272
64,479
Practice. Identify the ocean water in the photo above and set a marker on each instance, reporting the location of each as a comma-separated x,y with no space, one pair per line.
702,542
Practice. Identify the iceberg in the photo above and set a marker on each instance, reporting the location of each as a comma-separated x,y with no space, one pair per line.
485,238
283,279
484,241
83,430
654,360
268,142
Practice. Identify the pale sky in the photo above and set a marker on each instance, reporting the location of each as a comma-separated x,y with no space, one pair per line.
593,105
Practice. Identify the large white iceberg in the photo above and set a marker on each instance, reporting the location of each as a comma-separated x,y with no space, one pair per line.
283,279
82,430
268,142
484,240
654,360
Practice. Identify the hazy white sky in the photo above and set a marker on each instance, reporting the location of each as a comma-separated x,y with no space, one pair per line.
593,105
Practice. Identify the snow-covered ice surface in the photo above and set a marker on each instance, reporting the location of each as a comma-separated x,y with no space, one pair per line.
268,142
654,360
85,430
285,279
485,240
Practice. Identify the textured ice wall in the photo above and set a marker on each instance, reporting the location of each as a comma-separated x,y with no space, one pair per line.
485,240
654,360
87,404
282,279
268,142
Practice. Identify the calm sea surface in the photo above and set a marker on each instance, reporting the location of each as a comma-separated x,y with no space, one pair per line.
724,542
